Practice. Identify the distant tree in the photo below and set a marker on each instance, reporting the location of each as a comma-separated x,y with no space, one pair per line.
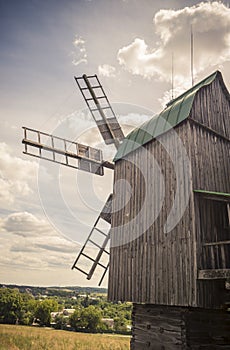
20,306
10,305
86,301
120,324
60,322
75,320
28,309
91,318
88,318
43,311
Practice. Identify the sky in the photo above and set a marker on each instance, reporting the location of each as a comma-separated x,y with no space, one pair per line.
47,210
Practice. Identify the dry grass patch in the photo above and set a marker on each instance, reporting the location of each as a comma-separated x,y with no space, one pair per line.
30,338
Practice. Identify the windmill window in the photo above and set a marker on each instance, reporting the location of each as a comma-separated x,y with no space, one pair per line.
213,227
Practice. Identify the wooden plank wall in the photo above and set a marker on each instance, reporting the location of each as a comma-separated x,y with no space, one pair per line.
147,265
210,156
175,328
156,267
214,233
157,327
211,107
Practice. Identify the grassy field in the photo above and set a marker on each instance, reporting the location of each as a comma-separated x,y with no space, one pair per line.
30,338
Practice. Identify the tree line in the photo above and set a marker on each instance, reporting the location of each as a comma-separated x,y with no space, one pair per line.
26,309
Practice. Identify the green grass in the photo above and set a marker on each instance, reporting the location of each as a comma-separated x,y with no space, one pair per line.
31,338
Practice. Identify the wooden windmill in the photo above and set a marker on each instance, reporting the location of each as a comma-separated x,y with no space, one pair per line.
58,150
175,277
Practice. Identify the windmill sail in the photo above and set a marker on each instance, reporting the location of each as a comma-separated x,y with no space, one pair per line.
58,150
72,154
97,234
100,109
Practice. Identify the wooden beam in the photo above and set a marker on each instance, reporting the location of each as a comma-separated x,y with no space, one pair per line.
209,129
85,155
214,196
216,243
213,274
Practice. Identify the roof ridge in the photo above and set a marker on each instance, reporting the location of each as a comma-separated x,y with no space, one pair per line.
199,84
172,115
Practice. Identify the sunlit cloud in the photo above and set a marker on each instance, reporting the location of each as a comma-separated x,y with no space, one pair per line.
211,27
79,54
107,70
25,224
17,177
28,239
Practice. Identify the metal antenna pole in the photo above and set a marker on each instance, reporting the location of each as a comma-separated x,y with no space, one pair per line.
192,54
172,76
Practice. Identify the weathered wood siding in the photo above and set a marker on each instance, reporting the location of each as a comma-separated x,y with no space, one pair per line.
210,157
211,107
146,264
175,328
213,237
156,267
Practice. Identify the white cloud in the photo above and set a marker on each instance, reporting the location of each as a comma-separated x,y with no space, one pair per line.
79,54
9,189
106,70
6,192
177,91
211,27
132,120
25,224
32,248
31,241
17,177
56,244
13,167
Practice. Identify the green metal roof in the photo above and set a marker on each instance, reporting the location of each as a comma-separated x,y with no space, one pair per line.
176,111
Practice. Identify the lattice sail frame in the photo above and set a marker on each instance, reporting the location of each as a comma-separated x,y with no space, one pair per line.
105,215
82,157
59,150
100,109
88,159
